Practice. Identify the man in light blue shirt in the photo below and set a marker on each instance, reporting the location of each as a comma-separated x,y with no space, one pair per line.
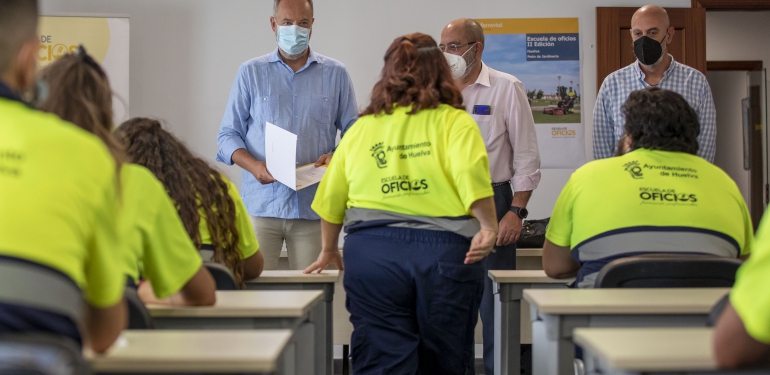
652,32
300,91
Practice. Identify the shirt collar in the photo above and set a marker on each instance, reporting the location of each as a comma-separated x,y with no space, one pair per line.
483,76
640,72
276,57
7,93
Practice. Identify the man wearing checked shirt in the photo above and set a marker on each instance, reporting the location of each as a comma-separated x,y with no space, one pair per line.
652,33
305,93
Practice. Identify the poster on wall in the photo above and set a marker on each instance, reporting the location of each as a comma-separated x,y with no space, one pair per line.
105,39
544,53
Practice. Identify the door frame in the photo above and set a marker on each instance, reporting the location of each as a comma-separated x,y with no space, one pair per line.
756,172
731,4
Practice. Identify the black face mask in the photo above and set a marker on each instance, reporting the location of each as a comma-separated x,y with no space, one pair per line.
648,50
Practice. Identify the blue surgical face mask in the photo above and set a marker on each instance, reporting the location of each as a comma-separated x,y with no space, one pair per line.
293,39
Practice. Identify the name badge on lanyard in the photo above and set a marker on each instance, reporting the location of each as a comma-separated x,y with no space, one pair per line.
483,110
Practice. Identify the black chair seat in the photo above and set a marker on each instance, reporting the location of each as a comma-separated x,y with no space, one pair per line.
40,354
223,277
138,316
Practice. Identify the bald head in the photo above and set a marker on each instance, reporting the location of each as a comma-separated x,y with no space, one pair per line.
652,21
650,16
468,28
18,25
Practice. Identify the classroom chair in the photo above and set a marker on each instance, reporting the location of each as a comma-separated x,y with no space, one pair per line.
138,316
207,253
223,277
33,286
669,271
717,310
40,354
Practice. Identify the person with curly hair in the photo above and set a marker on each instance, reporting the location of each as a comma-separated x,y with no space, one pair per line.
658,197
213,213
410,182
154,244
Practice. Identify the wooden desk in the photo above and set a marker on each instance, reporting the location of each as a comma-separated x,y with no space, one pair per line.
509,286
556,313
298,311
649,350
296,280
195,352
529,259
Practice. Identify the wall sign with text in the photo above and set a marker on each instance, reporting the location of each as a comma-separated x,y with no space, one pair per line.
544,53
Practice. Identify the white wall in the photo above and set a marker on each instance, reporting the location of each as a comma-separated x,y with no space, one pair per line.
185,53
729,89
740,36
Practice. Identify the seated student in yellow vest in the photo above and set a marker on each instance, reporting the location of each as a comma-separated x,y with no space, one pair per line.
58,203
659,197
742,333
154,240
208,203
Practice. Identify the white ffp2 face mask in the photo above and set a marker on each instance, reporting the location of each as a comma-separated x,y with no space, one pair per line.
457,64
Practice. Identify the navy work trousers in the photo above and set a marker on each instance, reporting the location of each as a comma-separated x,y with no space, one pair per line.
412,301
504,258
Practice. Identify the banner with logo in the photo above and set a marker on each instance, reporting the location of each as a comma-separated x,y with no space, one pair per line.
544,53
105,39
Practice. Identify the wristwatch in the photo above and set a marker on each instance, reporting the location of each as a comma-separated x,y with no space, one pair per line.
521,211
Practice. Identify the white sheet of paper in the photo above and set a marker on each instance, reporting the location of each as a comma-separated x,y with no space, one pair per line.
281,155
309,175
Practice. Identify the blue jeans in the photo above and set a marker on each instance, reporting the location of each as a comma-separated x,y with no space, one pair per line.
412,301
22,319
504,258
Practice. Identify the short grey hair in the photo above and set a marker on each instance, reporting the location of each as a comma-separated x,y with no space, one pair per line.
18,25
473,31
276,2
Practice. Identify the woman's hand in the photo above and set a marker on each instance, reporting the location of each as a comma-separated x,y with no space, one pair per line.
323,261
481,245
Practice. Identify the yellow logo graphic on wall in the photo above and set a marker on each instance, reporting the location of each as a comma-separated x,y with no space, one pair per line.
62,35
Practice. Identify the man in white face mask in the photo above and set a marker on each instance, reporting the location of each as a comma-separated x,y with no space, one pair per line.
498,102
305,93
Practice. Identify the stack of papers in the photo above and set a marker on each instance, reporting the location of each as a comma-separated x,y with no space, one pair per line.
281,160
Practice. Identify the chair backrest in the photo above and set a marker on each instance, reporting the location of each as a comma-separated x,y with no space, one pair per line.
138,316
223,277
40,354
207,255
39,287
717,309
669,271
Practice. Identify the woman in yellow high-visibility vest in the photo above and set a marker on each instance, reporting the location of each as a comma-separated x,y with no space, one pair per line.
410,182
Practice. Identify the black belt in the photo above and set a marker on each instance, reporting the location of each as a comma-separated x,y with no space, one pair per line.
497,184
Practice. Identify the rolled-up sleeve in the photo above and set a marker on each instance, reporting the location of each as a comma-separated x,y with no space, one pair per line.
232,132
348,108
521,130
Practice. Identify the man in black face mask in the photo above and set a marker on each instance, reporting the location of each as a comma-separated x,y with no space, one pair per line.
652,33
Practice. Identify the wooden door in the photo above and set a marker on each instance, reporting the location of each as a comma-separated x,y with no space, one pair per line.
614,45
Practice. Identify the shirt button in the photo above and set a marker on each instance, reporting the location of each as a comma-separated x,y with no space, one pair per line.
296,116
326,99
295,94
265,98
